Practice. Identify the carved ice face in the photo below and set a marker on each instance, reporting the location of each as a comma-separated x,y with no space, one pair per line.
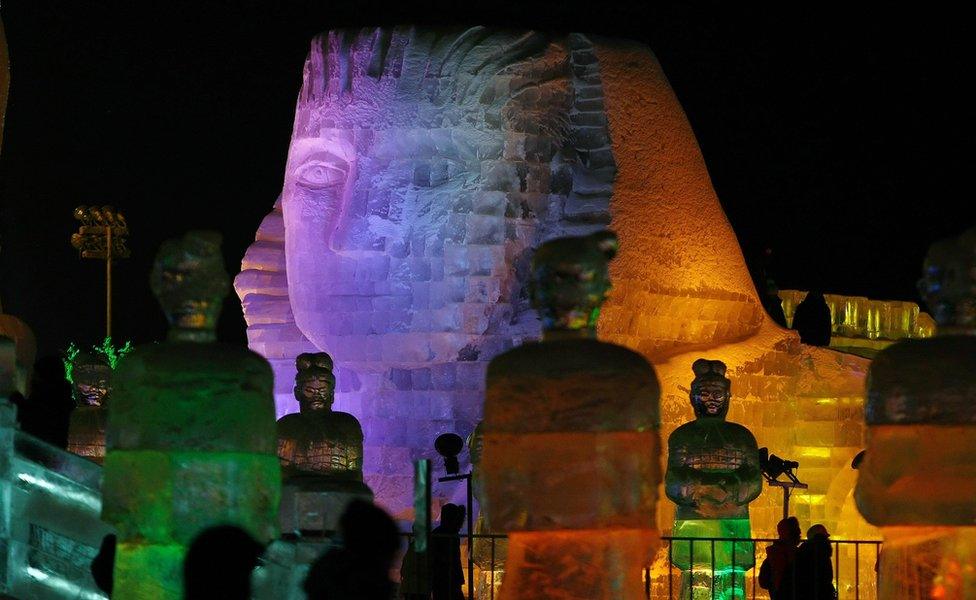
190,282
570,280
712,400
948,283
91,384
315,393
410,198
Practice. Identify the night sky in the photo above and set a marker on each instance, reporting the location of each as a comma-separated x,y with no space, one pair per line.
835,139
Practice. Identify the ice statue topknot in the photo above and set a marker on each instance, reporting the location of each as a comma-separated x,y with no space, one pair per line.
948,283
571,278
190,282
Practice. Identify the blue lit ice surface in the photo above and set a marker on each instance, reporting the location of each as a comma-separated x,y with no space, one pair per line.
50,530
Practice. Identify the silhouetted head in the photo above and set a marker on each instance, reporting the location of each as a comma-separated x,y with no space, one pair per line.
314,381
948,283
710,390
369,534
571,278
817,531
219,563
104,563
452,516
190,282
788,530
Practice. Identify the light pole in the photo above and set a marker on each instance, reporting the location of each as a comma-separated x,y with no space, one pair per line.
102,236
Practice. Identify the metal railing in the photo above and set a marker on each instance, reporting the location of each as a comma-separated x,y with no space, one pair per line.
854,568
857,581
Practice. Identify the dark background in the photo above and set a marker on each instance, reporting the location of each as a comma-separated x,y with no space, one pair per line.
835,139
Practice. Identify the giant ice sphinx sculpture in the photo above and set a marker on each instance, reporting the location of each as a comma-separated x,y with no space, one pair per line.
191,431
425,165
713,474
571,458
918,478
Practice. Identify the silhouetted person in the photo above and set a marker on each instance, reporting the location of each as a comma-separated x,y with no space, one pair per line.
414,577
812,319
814,569
103,564
778,571
359,569
773,303
219,563
446,573
46,413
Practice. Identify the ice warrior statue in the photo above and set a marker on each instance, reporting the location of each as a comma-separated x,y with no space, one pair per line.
321,451
570,459
91,380
918,478
191,433
713,474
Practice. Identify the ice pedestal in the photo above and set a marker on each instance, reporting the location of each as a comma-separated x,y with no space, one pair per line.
311,504
571,469
712,568
578,564
191,444
86,433
284,567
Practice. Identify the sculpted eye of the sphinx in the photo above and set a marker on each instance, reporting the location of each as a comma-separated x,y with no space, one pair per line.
317,175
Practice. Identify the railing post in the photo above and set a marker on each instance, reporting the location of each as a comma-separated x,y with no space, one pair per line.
670,569
713,569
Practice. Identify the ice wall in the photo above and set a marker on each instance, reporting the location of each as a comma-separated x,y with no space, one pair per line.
50,530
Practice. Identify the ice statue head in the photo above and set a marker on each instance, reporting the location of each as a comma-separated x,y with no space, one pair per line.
570,280
314,383
948,283
710,390
190,282
421,164
90,379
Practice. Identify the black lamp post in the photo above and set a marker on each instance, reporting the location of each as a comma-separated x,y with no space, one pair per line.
772,467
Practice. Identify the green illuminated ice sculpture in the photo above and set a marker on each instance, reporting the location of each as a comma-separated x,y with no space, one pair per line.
191,437
713,474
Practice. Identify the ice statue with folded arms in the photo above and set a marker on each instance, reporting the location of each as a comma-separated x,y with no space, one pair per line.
713,474
570,462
